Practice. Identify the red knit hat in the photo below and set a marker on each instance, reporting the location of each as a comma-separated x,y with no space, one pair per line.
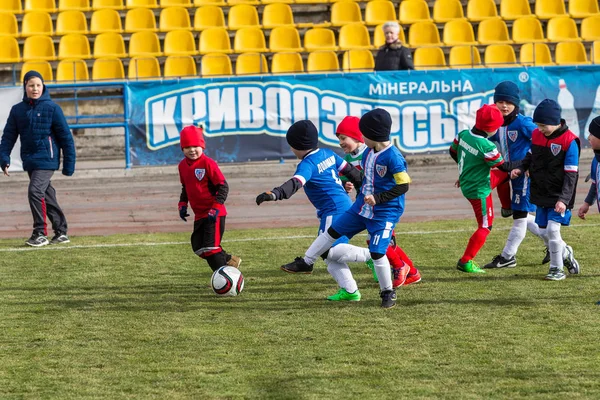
192,136
489,118
349,127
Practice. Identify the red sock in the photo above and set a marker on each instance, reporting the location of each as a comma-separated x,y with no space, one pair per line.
504,195
406,259
476,242
395,260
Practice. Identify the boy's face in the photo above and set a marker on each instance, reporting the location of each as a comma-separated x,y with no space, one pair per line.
370,143
547,130
594,142
192,152
505,107
348,144
34,88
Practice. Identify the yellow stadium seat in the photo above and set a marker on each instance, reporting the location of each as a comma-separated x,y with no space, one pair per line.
72,21
429,58
583,8
379,36
143,68
480,10
208,17
535,54
36,23
74,45
242,16
279,1
215,64
72,70
199,3
140,19
411,11
379,12
285,39
39,47
492,31
513,9
107,4
80,5
319,39
8,24
251,64
109,44
107,20
561,29
40,5
287,63
354,36
143,44
570,53
214,40
527,29
447,10
108,69
180,66
9,50
500,55
277,14
177,3
322,61
345,12
179,43
595,52
590,28
142,3
12,6
464,57
358,61
235,2
546,9
43,67
172,18
249,40
458,31
423,34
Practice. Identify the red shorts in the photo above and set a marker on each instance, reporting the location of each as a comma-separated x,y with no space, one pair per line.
484,211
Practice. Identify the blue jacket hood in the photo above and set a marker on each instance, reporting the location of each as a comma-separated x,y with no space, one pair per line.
45,93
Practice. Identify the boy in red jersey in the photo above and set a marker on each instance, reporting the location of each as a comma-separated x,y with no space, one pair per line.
205,188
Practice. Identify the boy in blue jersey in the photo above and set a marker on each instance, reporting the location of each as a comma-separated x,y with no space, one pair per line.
513,140
318,172
378,206
553,165
593,195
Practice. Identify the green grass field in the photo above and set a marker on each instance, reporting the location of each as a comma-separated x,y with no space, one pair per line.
133,316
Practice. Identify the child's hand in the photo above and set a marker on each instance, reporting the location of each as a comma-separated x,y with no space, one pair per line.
213,213
515,173
585,207
183,213
457,183
348,186
265,196
370,200
5,170
560,207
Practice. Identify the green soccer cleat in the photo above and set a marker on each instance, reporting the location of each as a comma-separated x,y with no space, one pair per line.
372,268
343,295
469,267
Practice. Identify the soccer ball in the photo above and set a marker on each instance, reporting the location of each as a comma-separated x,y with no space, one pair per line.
227,281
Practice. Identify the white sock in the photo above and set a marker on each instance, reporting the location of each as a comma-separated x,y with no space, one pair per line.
535,229
342,275
556,245
515,237
318,247
345,253
382,268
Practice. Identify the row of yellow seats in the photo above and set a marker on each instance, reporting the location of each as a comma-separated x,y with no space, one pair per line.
502,55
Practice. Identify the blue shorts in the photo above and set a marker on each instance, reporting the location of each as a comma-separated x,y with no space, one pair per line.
380,232
545,214
520,194
325,223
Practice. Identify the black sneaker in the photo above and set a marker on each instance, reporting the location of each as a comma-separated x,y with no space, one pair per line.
60,238
501,262
298,266
388,298
506,212
37,240
546,259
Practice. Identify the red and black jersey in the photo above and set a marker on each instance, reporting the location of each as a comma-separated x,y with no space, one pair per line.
204,186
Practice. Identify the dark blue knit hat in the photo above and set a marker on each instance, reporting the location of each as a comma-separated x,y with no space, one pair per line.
32,74
303,135
376,125
507,91
595,127
547,113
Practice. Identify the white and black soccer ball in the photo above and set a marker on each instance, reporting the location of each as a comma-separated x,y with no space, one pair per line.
227,281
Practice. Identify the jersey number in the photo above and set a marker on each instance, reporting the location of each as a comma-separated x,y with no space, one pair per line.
336,178
461,163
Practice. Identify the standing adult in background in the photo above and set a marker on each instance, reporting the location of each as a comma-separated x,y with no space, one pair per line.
392,55
44,134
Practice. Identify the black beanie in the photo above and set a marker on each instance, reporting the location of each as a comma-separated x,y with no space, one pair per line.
547,113
595,127
32,74
376,125
507,91
303,135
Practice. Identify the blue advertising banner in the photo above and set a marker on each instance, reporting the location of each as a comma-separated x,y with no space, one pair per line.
246,118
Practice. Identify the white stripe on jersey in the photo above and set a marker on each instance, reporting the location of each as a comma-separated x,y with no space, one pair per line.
571,168
300,178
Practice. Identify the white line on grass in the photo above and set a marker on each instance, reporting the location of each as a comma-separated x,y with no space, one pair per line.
268,238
